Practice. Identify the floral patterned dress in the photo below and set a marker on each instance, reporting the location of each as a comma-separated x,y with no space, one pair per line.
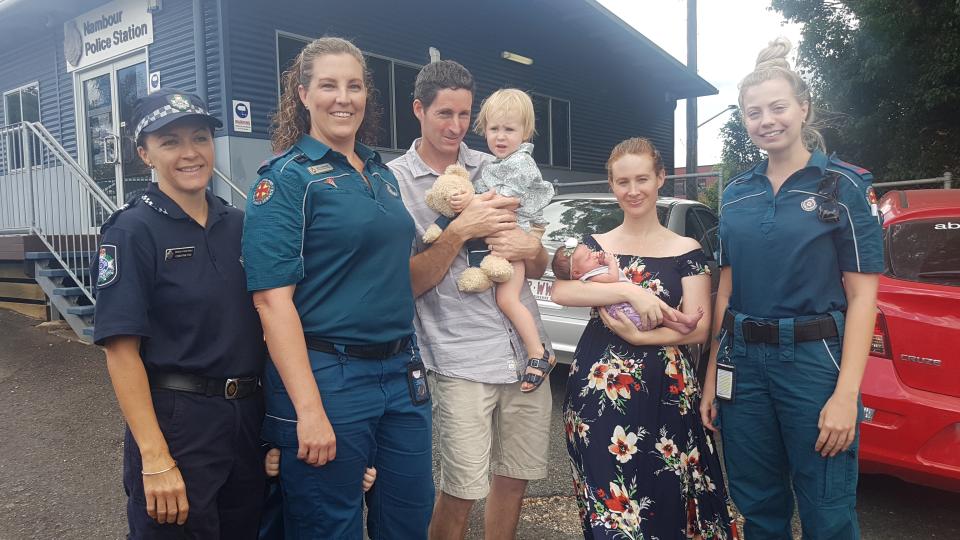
643,466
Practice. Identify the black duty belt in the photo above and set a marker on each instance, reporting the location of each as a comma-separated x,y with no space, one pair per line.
768,331
373,351
233,388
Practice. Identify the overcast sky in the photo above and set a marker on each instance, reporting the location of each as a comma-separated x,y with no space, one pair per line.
729,39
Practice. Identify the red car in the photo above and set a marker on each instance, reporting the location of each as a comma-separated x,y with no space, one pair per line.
911,388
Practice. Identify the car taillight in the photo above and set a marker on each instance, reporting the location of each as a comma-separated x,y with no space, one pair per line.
880,344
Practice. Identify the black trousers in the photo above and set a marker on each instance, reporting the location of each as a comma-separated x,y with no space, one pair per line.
216,443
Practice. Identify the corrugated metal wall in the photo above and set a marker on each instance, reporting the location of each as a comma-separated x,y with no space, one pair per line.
41,60
172,53
608,103
211,30
172,50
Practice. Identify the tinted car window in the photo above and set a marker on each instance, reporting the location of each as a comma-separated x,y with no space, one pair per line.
578,217
709,222
925,250
692,227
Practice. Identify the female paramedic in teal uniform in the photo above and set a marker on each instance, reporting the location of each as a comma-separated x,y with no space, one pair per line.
800,251
327,251
183,341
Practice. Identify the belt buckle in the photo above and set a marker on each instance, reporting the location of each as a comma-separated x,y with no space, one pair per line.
231,388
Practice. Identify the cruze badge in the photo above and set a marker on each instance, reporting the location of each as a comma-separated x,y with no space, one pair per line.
809,204
920,360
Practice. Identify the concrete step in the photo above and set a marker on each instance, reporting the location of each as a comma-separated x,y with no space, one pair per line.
81,310
68,291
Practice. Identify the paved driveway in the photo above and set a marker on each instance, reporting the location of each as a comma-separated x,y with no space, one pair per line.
61,436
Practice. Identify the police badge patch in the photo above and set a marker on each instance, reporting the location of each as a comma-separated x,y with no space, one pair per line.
108,270
179,102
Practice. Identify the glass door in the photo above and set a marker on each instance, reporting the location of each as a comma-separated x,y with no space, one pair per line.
109,93
134,173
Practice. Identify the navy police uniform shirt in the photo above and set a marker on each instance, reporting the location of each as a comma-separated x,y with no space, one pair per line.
314,222
786,262
180,287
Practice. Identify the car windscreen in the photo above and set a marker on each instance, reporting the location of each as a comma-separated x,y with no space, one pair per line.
578,217
925,250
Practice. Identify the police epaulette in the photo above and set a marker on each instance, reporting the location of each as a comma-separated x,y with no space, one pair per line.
113,217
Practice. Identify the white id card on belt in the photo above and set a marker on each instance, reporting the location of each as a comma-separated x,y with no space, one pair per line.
726,377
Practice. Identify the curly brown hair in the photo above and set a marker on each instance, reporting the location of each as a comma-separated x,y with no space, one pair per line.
292,120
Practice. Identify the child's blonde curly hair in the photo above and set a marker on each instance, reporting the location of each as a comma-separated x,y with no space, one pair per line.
506,101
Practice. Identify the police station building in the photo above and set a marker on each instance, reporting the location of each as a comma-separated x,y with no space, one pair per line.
72,70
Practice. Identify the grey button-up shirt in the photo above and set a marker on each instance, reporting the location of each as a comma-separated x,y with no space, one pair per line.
462,335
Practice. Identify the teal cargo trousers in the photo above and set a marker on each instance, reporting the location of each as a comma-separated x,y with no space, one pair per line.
769,431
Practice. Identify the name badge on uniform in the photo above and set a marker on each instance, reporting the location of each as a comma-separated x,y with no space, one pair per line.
726,381
320,169
178,253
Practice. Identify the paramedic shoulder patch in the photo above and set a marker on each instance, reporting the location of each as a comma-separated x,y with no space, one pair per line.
263,191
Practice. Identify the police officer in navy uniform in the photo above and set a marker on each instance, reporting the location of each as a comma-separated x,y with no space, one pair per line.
327,250
800,251
183,341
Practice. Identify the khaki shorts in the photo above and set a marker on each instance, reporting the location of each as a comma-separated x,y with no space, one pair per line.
485,428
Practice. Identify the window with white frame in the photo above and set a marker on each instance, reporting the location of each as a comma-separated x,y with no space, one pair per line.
19,105
392,80
552,141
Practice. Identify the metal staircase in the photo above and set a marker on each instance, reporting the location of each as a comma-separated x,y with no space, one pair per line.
45,193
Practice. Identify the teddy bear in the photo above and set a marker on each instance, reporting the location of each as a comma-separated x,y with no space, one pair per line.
493,269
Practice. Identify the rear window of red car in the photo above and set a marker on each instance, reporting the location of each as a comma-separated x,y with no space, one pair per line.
925,250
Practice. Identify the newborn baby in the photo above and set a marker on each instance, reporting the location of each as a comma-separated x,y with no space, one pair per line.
587,265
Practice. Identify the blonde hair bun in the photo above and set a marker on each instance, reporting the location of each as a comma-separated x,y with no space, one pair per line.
775,54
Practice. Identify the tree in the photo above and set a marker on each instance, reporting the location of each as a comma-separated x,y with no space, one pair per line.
886,73
711,196
739,153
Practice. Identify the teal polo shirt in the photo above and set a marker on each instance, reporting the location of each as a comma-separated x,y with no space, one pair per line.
785,261
312,221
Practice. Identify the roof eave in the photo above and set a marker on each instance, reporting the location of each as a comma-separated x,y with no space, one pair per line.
693,86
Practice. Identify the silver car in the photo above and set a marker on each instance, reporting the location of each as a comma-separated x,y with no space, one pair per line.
577,214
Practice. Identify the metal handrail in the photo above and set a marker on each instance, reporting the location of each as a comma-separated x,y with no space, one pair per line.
43,190
557,183
946,180
230,184
48,138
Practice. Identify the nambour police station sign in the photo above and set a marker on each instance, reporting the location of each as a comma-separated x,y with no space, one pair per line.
105,32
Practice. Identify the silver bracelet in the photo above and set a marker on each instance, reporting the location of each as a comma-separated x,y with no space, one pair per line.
168,469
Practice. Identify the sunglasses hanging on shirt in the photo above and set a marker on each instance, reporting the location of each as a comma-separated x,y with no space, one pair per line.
829,209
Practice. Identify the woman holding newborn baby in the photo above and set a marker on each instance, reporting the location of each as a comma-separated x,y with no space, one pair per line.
643,466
